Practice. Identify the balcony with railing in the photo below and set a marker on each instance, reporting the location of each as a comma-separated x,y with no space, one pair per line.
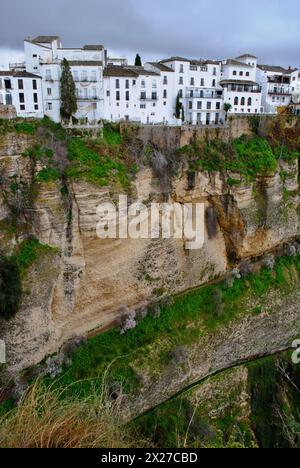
204,95
145,98
244,88
282,90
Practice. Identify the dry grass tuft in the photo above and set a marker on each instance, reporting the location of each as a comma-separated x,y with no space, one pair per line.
46,420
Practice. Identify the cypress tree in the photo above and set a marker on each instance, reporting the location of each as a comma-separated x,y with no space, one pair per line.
68,91
138,61
178,107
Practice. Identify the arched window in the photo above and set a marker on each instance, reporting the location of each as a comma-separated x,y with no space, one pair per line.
236,101
249,101
243,100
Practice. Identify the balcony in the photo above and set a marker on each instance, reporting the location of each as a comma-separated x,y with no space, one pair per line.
280,91
17,66
145,98
85,80
199,95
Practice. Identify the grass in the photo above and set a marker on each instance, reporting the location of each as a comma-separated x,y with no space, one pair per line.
44,420
248,156
28,252
96,163
191,316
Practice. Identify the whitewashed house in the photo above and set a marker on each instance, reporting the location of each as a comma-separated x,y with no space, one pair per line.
241,89
278,86
44,55
132,94
23,90
197,84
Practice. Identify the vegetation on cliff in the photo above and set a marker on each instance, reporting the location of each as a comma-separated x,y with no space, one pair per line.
12,271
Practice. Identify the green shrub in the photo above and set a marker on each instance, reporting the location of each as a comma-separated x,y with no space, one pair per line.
26,127
47,174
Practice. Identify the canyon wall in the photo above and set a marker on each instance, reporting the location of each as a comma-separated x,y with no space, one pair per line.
83,283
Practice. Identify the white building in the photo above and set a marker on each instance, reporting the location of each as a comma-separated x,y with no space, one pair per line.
108,88
44,55
241,89
197,84
278,86
23,90
132,94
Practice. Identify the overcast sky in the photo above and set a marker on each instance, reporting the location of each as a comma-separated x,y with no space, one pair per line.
159,28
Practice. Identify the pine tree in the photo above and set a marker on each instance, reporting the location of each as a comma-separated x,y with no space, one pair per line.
138,61
68,91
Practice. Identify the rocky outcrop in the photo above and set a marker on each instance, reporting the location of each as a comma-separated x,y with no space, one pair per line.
93,278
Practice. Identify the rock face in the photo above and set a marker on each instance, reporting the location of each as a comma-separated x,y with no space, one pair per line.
242,340
87,283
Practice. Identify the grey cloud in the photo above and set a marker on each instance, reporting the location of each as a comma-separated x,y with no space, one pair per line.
156,28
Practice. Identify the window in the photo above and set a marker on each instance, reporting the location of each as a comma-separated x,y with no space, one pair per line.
20,84
34,84
7,84
218,105
243,100
154,84
193,68
127,96
154,95
84,75
143,95
117,84
192,81
199,105
241,73
143,84
215,71
190,104
165,95
247,74
49,92
94,93
49,106
249,101
8,99
236,101
22,107
234,72
75,73
118,95
36,107
35,98
34,55
208,105
165,103
94,76
202,82
108,93
134,82
143,106
181,70
21,97
181,80
180,93
213,83
165,80
127,84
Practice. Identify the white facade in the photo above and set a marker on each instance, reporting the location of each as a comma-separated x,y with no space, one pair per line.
23,90
241,90
44,56
110,89
279,85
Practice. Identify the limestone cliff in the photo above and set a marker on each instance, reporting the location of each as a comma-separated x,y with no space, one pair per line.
84,283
